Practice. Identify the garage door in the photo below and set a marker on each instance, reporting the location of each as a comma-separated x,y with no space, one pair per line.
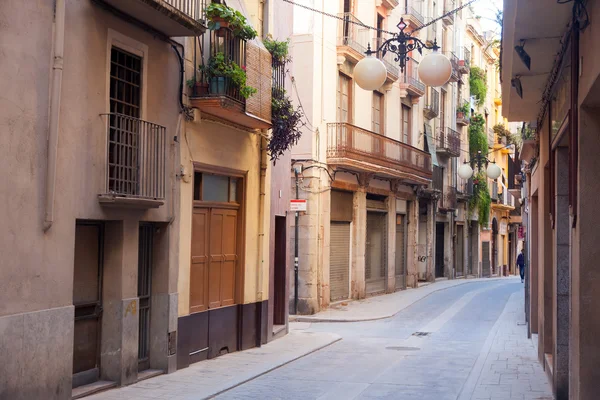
339,261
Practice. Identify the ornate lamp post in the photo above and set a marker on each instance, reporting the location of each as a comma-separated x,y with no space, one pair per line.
434,70
493,171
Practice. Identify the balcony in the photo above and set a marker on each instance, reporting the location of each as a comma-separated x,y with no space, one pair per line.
498,98
390,4
136,163
455,77
361,150
171,17
431,34
491,136
448,199
352,38
464,189
393,71
432,104
448,142
464,64
219,98
449,5
412,15
410,80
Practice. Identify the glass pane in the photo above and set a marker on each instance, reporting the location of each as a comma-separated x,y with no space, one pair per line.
233,190
215,188
197,185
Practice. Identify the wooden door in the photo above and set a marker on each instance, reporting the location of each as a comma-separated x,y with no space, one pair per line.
145,252
199,264
376,252
439,250
280,271
87,299
222,257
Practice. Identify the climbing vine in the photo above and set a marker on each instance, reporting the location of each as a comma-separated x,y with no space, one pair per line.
477,83
481,199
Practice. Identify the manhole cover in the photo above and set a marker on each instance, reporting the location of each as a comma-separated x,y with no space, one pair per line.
421,334
400,348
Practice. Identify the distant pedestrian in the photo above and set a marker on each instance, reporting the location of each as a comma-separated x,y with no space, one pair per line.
521,264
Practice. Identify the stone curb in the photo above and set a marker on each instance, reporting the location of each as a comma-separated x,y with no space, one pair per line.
251,376
308,318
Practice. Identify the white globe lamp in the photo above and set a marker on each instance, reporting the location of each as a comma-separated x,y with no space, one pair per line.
435,69
493,171
465,171
370,73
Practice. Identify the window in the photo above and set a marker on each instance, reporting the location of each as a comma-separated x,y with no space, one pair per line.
124,125
215,188
377,113
344,99
405,124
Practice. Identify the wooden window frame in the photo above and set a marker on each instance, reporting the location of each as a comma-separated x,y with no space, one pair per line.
242,177
409,124
381,98
350,81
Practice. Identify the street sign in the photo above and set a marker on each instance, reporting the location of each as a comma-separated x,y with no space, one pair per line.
297,205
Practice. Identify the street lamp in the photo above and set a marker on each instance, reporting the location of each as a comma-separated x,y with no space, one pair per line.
434,70
493,171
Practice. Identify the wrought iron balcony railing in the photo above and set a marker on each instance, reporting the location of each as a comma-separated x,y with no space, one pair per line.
410,79
449,5
464,187
432,104
465,61
358,145
448,142
455,77
136,158
412,14
352,35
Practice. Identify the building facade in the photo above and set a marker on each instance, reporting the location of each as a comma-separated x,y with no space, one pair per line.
557,97
143,237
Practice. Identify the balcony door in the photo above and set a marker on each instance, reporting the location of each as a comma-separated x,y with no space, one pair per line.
123,141
344,111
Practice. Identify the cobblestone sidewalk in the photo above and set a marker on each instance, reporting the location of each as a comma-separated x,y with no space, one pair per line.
508,367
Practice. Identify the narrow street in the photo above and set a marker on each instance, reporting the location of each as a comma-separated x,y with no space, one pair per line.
465,342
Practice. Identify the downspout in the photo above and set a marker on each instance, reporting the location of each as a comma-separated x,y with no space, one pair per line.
57,71
261,235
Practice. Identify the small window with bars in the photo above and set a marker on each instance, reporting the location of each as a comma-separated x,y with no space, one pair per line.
124,122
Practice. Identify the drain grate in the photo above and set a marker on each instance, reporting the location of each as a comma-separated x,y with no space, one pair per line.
400,348
421,334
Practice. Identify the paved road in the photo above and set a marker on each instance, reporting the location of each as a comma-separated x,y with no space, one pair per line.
466,342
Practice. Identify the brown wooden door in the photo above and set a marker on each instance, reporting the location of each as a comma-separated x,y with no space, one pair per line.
223,257
199,265
280,271
87,299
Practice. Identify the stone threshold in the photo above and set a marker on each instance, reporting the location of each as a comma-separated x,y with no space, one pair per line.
86,390
149,373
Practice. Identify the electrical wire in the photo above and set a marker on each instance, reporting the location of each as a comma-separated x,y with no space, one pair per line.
433,21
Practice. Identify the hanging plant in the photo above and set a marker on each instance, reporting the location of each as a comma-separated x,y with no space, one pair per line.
477,84
481,199
287,124
279,49
478,141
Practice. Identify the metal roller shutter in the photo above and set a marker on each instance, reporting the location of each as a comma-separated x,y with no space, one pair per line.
376,252
339,261
400,252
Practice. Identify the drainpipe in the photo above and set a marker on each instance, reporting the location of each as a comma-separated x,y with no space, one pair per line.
296,218
261,235
57,70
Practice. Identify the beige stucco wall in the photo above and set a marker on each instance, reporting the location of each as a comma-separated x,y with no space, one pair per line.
37,267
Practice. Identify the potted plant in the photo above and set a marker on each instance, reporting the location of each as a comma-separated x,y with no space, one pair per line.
222,16
221,71
463,111
279,49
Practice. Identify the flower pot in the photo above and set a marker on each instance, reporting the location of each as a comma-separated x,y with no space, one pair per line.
460,115
218,85
200,88
221,23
